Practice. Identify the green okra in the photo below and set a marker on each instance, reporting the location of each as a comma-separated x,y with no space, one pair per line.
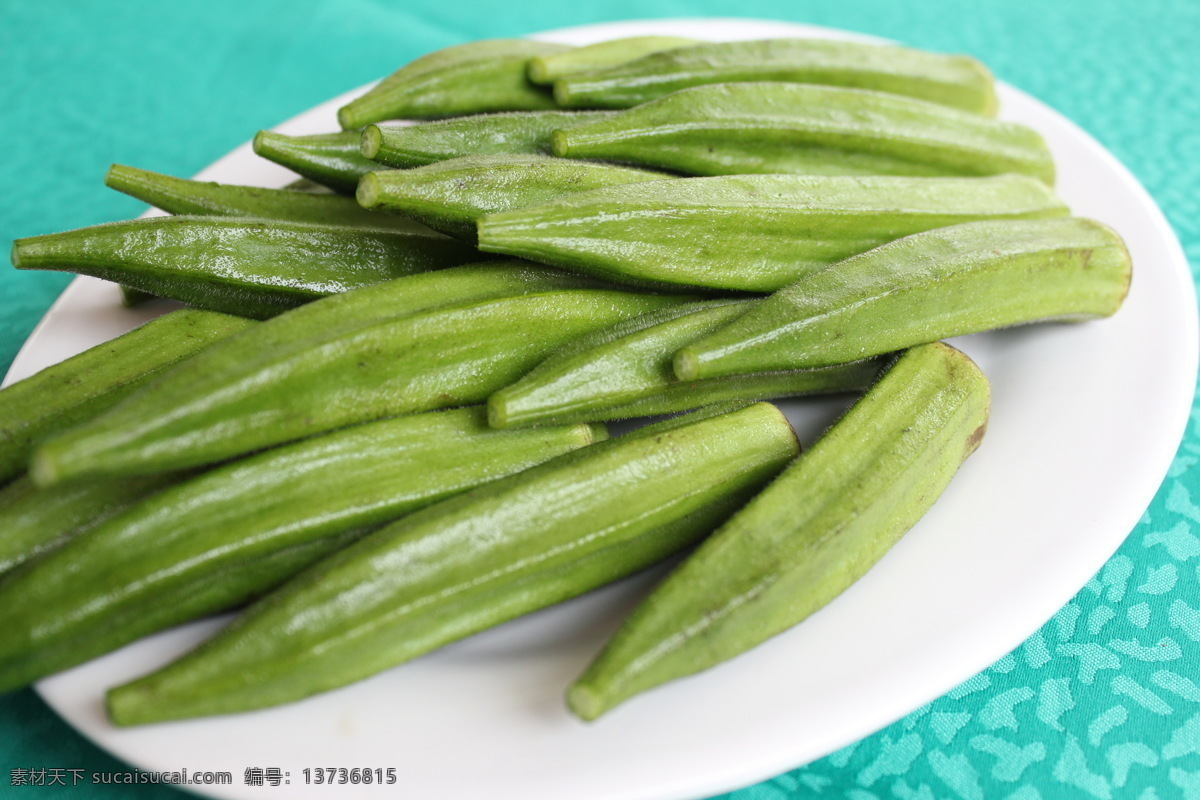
754,233
450,196
107,587
249,267
957,81
275,344
516,133
549,68
465,79
84,385
791,128
200,198
806,538
929,286
448,356
132,298
625,371
552,532
34,521
330,159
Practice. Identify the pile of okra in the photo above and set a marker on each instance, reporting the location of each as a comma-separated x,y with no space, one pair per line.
378,425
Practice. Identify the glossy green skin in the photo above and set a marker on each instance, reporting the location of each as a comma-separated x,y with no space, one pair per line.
469,563
934,285
625,371
85,385
275,345
549,68
791,128
451,196
805,539
330,159
518,133
34,521
98,592
754,233
181,196
469,78
249,267
435,359
956,81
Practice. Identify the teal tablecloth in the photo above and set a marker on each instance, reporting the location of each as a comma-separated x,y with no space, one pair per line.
1103,701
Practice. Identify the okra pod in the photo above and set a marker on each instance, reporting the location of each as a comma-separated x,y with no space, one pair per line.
241,266
805,539
956,81
466,79
754,233
791,128
105,588
182,196
450,196
552,532
518,133
449,356
549,68
275,342
84,385
625,371
929,286
330,159
34,521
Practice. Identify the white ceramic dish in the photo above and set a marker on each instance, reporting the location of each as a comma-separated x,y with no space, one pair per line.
1085,422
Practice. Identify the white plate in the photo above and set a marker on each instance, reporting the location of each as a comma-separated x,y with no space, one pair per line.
1085,421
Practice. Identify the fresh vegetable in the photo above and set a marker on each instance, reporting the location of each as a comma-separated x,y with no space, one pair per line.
517,133
957,81
549,68
249,267
116,582
182,196
748,232
625,371
469,563
84,385
34,521
330,159
465,79
806,538
256,393
451,196
946,282
775,128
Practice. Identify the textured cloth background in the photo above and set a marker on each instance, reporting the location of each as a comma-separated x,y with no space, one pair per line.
1104,701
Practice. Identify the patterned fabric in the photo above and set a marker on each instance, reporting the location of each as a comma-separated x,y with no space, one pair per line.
1103,701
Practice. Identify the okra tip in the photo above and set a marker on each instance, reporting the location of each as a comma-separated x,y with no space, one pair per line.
44,468
129,705
27,253
585,702
596,432
368,192
372,140
559,143
562,93
348,117
497,412
119,175
537,70
262,142
686,365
